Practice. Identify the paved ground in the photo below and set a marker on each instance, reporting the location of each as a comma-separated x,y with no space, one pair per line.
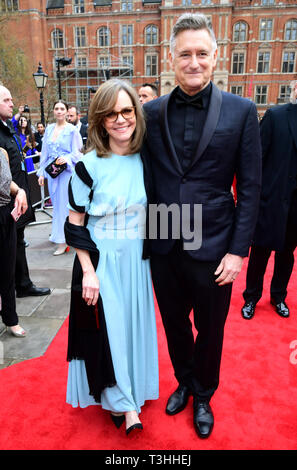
40,316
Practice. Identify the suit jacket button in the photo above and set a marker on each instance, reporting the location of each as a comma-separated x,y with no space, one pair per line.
184,180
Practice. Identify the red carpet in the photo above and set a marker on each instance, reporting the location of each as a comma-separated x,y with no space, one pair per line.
255,406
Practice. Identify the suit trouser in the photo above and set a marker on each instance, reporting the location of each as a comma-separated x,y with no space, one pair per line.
283,263
183,284
7,266
22,277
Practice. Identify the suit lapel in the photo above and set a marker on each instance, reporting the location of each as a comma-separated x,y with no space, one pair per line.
163,116
292,118
210,123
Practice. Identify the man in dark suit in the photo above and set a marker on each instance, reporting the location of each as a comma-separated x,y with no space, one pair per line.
276,228
198,138
73,116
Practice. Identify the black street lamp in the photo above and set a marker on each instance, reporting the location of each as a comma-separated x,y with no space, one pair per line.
61,61
40,79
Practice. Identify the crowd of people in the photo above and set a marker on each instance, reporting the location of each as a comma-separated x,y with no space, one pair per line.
143,151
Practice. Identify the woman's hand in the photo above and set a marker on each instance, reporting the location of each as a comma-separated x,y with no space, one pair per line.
61,161
41,180
90,287
21,202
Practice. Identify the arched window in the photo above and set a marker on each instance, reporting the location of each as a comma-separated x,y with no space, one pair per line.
57,39
151,34
291,30
103,36
240,31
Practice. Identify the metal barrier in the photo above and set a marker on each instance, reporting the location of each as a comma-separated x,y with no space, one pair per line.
39,195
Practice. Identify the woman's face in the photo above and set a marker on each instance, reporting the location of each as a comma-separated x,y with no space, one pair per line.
121,122
60,111
23,122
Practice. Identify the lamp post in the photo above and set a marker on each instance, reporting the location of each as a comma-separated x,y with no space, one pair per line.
40,79
61,61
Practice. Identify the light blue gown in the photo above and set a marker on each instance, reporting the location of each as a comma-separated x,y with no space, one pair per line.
117,226
68,145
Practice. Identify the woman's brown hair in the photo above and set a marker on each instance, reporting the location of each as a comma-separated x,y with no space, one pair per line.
102,104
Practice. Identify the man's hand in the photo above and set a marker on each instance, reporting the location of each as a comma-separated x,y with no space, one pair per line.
228,269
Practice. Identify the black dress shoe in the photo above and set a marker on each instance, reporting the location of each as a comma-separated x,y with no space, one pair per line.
281,308
248,310
33,291
118,420
134,427
178,400
203,418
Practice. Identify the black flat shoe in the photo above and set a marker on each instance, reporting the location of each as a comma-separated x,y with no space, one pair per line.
203,418
33,291
178,400
136,426
117,420
248,310
281,308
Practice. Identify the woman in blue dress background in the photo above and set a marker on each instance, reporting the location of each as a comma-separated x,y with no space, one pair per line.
22,126
63,141
108,187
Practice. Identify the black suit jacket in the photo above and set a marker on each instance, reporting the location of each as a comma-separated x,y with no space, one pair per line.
229,145
279,146
84,133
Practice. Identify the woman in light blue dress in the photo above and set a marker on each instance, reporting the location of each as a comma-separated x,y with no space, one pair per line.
62,140
108,186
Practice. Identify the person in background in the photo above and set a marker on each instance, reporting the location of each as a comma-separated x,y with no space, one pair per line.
23,128
62,141
39,134
118,369
73,116
276,228
147,92
11,142
12,197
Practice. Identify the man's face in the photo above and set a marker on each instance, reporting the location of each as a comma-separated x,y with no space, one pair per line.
194,60
40,128
72,116
6,104
146,94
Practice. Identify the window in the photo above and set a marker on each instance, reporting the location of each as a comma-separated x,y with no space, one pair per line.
81,61
80,36
205,2
78,6
291,30
127,65
82,97
263,62
127,34
126,5
240,31
238,62
284,92
267,2
237,90
265,29
151,65
288,62
186,3
104,66
261,94
151,34
9,5
57,39
103,37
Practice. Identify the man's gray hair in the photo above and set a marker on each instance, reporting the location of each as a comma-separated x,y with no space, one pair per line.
192,21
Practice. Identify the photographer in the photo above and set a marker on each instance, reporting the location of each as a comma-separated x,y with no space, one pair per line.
22,126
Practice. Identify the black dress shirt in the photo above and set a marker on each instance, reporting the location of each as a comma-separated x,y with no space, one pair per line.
186,118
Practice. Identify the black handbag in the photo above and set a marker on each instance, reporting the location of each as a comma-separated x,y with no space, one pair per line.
54,170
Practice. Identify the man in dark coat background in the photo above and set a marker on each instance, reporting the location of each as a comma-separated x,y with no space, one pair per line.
276,228
198,138
10,141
